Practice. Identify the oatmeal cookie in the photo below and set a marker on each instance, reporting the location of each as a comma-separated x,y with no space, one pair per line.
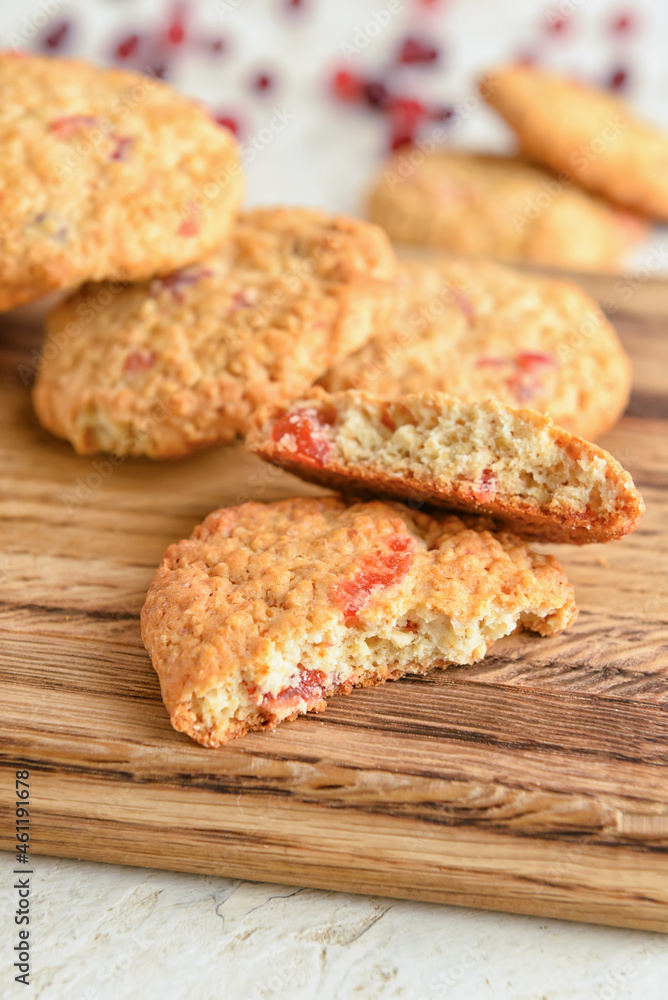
477,330
267,610
170,365
516,465
104,174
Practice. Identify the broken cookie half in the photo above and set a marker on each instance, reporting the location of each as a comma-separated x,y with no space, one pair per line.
539,480
268,609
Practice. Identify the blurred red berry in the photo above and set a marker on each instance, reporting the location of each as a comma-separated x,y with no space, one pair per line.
408,107
57,36
263,82
347,86
227,122
176,32
623,23
127,47
413,51
376,94
556,25
405,116
618,79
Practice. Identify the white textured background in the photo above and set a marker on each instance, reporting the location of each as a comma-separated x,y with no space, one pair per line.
102,932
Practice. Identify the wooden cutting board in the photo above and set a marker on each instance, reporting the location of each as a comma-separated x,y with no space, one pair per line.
535,781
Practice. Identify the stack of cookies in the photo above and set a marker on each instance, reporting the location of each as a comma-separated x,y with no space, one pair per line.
588,177
447,403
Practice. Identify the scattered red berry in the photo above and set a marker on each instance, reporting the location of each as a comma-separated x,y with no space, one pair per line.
556,25
405,117
176,32
227,122
623,23
414,51
127,47
618,79
376,95
217,45
263,82
57,36
347,86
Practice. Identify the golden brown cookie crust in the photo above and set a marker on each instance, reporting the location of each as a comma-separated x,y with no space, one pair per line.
477,330
498,206
177,363
595,136
514,465
266,610
105,173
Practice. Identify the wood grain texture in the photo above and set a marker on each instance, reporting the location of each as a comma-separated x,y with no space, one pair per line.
535,781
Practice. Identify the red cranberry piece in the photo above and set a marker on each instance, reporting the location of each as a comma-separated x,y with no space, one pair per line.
188,228
487,481
227,122
408,107
69,125
140,361
263,82
406,115
556,25
308,686
212,46
57,36
376,94
378,571
618,79
239,301
127,47
122,144
304,429
535,361
623,23
414,51
347,86
176,32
